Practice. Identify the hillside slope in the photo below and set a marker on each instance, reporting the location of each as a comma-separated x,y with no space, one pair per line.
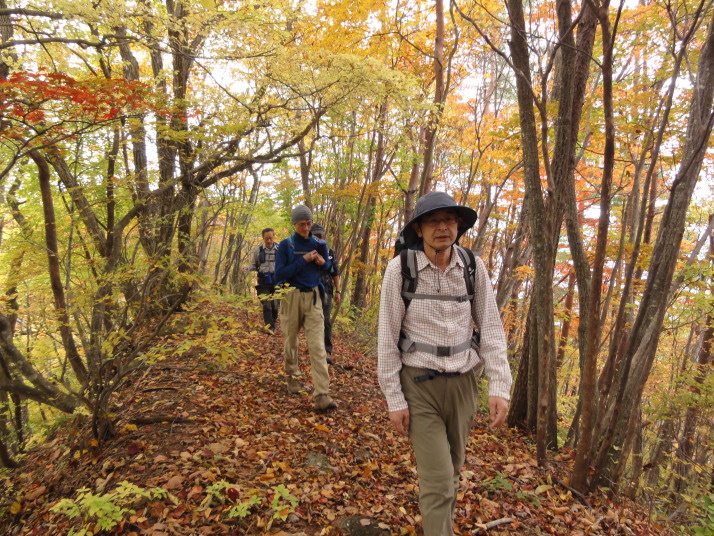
224,449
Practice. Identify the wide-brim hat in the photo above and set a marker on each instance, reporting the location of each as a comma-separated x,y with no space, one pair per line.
434,201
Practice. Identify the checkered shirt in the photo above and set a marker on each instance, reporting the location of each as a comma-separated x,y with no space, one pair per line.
440,323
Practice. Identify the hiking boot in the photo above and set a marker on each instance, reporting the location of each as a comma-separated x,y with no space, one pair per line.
329,359
294,386
324,402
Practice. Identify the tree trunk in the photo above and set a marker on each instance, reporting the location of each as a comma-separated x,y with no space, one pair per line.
413,187
685,452
567,319
427,171
591,313
360,299
54,271
631,376
305,158
541,349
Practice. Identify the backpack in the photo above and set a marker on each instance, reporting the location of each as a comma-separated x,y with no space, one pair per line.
410,276
314,241
409,285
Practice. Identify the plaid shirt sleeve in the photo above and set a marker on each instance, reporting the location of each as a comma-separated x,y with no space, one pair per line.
391,315
493,347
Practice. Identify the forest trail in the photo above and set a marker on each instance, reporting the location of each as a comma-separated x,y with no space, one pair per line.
220,439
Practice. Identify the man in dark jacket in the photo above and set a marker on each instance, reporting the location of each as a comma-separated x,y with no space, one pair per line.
298,263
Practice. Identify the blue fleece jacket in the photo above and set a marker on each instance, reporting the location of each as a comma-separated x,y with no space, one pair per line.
291,268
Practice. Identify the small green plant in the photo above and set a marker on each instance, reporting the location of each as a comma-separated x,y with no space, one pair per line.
217,492
221,491
706,526
242,509
497,483
103,512
283,504
530,497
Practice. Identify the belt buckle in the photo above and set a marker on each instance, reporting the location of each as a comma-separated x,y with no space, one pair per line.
443,351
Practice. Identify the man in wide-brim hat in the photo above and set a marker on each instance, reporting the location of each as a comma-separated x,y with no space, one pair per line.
429,361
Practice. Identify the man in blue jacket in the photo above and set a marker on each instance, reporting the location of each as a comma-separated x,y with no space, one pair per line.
298,263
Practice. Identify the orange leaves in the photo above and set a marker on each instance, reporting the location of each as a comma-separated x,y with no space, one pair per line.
247,436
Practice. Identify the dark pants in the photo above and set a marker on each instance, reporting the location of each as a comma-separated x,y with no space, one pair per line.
327,313
270,306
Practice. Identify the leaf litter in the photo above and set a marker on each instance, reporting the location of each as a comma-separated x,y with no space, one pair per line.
224,439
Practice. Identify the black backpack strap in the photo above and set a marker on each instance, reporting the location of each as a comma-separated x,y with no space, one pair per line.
409,281
409,275
469,260
261,254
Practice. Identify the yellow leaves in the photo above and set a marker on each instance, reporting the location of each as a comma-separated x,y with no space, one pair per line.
322,428
543,488
15,508
208,4
523,272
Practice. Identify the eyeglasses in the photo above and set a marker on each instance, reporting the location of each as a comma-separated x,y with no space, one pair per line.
305,223
433,221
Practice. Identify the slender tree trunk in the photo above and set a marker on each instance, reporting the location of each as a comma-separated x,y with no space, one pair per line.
588,391
685,452
541,348
642,346
413,187
54,270
305,158
567,319
427,172
359,298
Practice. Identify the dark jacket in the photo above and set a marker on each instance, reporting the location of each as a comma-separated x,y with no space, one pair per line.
291,268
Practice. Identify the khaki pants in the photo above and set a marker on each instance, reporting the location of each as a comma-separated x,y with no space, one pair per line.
441,413
303,310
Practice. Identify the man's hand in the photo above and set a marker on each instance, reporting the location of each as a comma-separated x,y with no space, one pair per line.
314,256
338,298
400,420
498,408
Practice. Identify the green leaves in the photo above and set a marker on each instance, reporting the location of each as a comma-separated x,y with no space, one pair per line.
106,511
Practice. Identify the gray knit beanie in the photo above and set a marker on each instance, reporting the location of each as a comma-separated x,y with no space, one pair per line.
300,213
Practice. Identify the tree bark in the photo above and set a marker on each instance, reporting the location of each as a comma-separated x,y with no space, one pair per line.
54,271
685,452
541,349
640,352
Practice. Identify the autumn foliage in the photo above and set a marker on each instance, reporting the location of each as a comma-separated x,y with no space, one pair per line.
213,433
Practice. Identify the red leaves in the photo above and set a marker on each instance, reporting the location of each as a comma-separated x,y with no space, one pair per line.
49,106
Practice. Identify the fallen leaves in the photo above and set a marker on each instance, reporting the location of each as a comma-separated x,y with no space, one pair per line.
243,435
